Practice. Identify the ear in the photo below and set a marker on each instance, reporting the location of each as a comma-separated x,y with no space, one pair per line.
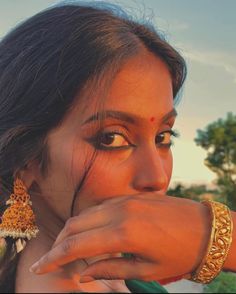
27,174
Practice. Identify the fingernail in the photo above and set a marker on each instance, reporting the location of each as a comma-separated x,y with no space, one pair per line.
86,279
34,268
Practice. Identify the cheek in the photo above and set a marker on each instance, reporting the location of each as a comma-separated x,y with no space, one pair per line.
168,166
108,177
57,187
67,166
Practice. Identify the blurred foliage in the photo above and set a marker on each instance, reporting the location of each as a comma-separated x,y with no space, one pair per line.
219,140
226,281
194,192
223,283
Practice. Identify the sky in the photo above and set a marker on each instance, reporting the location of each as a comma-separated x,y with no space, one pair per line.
203,31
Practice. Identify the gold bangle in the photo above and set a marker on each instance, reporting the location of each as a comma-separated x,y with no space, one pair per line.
219,244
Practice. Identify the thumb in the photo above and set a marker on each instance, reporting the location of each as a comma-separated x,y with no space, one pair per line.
117,269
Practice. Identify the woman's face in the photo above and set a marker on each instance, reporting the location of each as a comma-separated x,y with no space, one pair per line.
132,146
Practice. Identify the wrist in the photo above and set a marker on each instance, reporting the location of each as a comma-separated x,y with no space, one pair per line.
205,224
219,244
201,231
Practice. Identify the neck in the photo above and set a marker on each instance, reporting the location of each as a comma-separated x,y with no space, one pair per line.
49,226
65,280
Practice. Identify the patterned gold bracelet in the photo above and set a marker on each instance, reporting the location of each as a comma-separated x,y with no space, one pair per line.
219,244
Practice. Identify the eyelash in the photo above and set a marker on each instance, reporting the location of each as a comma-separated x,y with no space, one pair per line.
96,140
173,133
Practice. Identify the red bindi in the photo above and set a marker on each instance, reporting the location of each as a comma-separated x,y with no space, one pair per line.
152,119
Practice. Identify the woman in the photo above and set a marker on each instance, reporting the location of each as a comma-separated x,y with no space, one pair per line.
86,121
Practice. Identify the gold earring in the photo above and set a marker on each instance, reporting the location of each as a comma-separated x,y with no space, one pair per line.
18,220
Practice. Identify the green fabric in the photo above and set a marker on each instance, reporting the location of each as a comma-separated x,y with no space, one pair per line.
136,286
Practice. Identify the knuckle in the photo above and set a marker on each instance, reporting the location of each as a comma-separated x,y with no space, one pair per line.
69,246
69,225
124,232
44,260
90,210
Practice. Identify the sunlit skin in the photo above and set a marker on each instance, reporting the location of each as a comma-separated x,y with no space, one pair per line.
152,119
119,192
114,173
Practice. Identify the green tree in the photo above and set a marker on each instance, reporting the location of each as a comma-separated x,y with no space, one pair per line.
178,191
219,140
193,192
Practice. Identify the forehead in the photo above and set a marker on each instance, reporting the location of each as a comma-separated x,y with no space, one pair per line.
142,86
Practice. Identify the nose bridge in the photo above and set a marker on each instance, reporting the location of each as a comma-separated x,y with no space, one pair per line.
150,172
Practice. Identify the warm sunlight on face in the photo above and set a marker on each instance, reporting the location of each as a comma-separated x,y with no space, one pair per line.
132,142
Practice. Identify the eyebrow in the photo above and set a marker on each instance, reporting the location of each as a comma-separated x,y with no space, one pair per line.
125,116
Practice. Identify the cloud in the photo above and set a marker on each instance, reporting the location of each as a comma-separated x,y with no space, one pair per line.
223,59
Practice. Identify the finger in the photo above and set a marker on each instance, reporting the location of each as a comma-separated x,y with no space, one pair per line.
120,268
93,218
90,218
84,245
99,215
127,269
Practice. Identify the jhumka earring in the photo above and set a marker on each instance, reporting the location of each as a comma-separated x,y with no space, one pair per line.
18,220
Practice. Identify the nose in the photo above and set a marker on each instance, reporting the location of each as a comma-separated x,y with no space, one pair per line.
152,171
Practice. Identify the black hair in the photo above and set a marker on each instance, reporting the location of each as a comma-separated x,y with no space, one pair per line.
46,63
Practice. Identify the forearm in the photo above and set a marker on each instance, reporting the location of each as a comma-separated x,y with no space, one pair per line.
230,263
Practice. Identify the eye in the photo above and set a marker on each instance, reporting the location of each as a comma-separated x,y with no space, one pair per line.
164,139
113,140
110,140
